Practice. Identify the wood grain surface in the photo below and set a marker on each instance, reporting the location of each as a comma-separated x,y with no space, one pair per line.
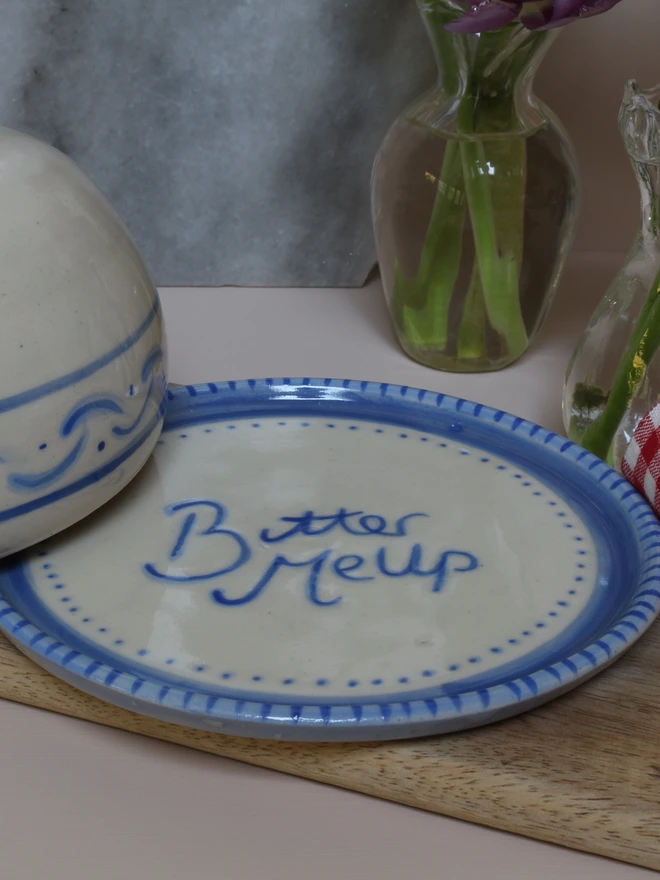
583,772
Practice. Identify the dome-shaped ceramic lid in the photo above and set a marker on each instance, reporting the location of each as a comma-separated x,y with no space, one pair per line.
72,279
82,382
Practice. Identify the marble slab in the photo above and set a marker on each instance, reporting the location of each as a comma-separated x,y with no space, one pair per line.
235,138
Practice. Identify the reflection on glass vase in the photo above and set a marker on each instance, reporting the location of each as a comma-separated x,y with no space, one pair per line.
475,195
613,379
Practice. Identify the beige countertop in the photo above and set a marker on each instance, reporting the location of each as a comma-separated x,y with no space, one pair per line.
81,801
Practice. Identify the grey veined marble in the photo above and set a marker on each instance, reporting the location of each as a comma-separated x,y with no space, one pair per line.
234,137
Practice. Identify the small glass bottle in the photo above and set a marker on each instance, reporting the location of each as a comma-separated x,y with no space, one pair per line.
613,379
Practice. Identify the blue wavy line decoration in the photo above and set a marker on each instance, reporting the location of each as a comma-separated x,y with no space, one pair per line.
87,409
153,359
92,405
22,482
15,401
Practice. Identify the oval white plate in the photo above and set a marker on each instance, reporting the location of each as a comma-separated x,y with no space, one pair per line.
318,559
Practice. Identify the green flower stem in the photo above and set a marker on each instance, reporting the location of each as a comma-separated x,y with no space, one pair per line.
484,167
499,274
495,176
423,302
643,345
427,298
471,343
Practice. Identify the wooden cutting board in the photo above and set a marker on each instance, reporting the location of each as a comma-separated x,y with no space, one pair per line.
583,771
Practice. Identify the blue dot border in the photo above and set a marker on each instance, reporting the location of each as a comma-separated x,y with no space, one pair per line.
452,667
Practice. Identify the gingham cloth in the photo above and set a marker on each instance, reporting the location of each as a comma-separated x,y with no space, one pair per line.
641,463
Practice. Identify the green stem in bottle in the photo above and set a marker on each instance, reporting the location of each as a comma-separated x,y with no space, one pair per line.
643,345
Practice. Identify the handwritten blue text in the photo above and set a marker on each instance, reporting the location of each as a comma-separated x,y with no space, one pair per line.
203,520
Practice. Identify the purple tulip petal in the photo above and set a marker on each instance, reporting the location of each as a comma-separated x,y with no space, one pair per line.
567,8
487,15
566,11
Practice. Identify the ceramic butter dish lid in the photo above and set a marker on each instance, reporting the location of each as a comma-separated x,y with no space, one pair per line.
82,366
337,560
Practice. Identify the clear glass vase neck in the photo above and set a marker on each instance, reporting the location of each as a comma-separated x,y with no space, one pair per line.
639,122
493,71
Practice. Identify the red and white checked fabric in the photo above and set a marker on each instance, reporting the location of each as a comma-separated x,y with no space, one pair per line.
641,463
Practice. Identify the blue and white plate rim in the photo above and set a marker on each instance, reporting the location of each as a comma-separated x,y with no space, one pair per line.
537,687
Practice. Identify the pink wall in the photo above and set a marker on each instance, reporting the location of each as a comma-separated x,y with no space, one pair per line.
582,80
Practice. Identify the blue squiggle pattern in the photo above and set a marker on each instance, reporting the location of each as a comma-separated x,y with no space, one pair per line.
125,430
153,359
15,401
151,362
79,417
19,482
93,405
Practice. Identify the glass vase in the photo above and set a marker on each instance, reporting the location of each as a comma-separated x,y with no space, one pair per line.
475,194
613,379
